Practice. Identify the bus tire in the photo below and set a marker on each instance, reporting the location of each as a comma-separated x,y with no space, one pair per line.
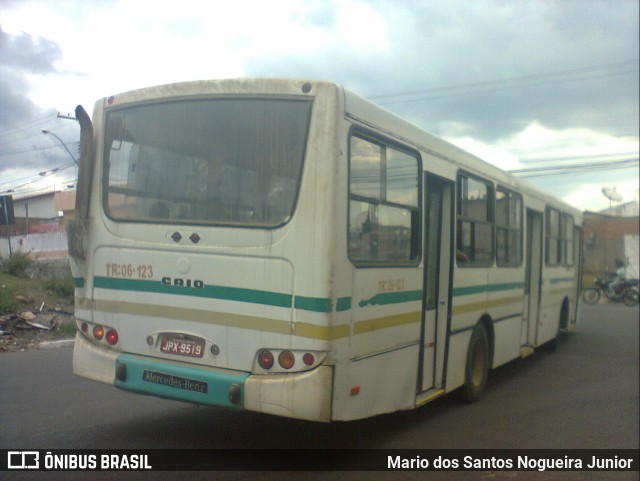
477,365
591,295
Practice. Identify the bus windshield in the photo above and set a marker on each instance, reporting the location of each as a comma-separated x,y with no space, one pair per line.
231,162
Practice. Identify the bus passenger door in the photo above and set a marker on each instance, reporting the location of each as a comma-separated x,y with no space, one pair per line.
438,262
533,278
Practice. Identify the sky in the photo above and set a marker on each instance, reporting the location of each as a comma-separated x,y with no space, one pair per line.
546,88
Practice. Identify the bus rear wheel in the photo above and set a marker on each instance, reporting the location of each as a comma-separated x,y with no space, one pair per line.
477,366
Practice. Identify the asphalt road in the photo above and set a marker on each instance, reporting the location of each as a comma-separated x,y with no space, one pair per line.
585,394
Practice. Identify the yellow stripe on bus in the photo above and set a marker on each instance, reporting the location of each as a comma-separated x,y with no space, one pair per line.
301,329
379,323
323,333
196,315
484,306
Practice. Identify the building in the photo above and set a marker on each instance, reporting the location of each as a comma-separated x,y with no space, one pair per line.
611,236
40,225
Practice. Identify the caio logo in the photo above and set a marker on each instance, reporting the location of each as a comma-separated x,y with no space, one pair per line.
23,460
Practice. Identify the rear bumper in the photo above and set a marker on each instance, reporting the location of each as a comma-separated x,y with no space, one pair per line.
180,381
305,395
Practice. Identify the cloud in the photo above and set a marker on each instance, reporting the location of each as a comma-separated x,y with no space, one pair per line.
26,54
21,55
483,73
14,102
589,196
538,147
493,67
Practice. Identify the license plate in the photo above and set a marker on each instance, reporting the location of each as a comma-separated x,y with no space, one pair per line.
182,346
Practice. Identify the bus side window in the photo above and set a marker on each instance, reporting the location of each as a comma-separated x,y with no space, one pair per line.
553,237
474,226
383,205
508,216
567,228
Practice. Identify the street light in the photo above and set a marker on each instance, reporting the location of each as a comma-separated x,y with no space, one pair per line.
44,131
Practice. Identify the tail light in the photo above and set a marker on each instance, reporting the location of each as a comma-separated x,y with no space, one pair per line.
287,360
308,359
112,337
98,333
265,359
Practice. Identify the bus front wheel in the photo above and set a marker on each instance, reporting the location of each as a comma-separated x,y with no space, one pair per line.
477,366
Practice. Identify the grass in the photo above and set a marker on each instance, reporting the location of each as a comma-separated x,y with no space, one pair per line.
21,292
65,330
64,289
17,264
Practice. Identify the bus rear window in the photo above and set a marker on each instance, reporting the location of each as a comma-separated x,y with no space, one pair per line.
231,162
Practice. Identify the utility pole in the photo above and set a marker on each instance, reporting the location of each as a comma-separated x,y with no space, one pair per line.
5,210
66,117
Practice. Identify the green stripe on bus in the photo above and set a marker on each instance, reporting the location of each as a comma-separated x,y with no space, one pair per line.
78,282
392,298
210,292
465,291
343,304
314,304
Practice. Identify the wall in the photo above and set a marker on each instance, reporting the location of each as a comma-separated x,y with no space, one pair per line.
604,242
47,245
631,248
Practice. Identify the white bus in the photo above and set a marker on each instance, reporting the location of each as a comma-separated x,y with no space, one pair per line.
290,248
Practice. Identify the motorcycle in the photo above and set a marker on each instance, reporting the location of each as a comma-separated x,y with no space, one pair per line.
626,291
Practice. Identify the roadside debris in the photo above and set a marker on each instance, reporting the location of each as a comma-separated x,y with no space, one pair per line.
39,325
27,329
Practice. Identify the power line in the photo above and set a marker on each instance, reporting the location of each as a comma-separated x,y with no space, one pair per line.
26,193
606,70
524,152
39,177
576,168
625,64
26,125
36,149
603,157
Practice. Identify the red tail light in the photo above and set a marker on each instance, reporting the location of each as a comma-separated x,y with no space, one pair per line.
112,337
308,359
265,359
